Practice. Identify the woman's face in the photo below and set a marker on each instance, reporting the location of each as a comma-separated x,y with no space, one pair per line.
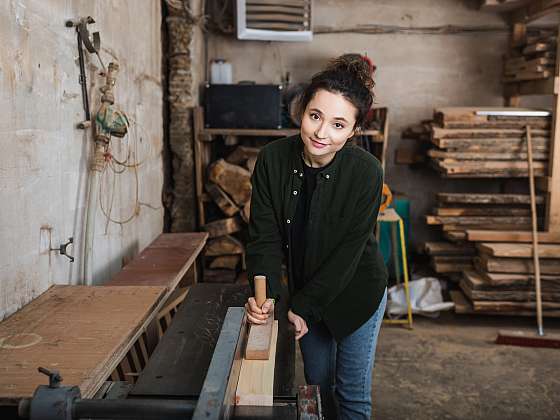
327,123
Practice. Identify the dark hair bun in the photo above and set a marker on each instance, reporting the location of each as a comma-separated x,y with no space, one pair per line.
356,65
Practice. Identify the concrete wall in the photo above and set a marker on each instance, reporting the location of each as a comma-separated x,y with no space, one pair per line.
416,72
44,158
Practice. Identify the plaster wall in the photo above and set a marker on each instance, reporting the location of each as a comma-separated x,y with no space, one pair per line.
44,158
416,73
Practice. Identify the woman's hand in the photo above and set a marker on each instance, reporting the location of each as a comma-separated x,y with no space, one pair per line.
256,315
299,324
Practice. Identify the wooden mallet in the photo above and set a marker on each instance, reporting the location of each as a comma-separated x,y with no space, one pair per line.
260,336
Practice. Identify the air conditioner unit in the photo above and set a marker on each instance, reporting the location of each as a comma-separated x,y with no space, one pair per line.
274,20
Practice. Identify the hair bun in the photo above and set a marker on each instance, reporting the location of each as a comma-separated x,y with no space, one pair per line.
359,66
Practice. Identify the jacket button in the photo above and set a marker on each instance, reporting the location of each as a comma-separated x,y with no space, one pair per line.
287,246
288,221
327,176
295,171
295,192
300,174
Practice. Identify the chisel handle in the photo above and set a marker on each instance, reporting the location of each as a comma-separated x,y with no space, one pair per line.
260,290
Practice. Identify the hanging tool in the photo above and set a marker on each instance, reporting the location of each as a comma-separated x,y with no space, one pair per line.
521,338
92,44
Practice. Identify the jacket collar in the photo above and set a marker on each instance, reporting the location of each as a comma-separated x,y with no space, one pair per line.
296,160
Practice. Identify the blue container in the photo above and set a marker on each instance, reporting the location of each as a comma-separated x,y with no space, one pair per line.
402,207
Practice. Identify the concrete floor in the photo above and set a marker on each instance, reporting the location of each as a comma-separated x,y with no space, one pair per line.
449,368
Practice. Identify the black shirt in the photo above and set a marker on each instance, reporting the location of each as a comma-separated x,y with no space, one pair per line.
299,243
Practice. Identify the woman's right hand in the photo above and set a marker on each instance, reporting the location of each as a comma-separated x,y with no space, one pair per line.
299,324
256,315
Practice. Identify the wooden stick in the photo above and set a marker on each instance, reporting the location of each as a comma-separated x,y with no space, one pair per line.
536,262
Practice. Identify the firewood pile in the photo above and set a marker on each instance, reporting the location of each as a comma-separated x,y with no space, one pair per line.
534,58
228,186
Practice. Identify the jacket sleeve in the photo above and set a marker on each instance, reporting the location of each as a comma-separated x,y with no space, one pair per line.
339,268
264,249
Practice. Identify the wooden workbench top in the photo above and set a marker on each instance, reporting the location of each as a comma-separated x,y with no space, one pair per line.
82,331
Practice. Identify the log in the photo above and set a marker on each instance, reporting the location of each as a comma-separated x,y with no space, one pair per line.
233,179
228,262
518,250
467,198
241,154
221,199
222,227
225,245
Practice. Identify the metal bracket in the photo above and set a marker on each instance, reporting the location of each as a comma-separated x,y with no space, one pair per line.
63,250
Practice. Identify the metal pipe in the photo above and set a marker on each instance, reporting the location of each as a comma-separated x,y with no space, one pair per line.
138,409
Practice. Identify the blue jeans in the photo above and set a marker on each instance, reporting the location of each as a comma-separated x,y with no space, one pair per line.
343,370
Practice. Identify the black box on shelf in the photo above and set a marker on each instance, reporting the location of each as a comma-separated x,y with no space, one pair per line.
243,106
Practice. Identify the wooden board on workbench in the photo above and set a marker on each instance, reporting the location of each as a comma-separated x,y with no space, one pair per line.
82,331
256,379
164,262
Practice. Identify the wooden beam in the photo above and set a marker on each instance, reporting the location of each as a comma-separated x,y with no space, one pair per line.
256,380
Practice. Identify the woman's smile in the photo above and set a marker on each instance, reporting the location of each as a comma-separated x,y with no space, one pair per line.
317,143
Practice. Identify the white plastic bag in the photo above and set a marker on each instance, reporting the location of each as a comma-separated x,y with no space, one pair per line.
425,298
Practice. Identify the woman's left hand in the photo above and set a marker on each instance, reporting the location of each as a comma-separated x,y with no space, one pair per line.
299,324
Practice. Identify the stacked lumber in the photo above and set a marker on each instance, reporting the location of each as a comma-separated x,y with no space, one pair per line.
448,258
458,212
503,280
477,143
533,58
229,187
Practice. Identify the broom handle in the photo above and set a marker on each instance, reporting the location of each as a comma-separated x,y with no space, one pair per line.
536,263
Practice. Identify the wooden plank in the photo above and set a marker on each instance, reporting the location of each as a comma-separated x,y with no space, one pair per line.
491,144
463,133
468,117
481,211
515,265
501,168
501,236
259,342
518,250
163,263
256,380
476,288
475,220
488,226
516,280
455,235
442,154
451,264
469,198
82,331
534,10
448,248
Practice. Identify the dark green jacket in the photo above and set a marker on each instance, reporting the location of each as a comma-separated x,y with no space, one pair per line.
345,276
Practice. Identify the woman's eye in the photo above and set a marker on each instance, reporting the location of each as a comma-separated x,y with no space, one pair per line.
338,125
315,116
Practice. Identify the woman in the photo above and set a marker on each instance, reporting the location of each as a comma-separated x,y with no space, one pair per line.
315,202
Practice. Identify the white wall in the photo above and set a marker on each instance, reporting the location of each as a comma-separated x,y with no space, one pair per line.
44,158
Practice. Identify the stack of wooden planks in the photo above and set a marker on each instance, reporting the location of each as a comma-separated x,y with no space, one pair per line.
533,58
448,258
479,142
229,187
503,281
457,212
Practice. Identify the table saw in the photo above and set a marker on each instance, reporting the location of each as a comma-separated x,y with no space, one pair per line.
192,373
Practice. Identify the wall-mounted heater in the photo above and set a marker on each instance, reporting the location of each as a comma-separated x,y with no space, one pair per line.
274,20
